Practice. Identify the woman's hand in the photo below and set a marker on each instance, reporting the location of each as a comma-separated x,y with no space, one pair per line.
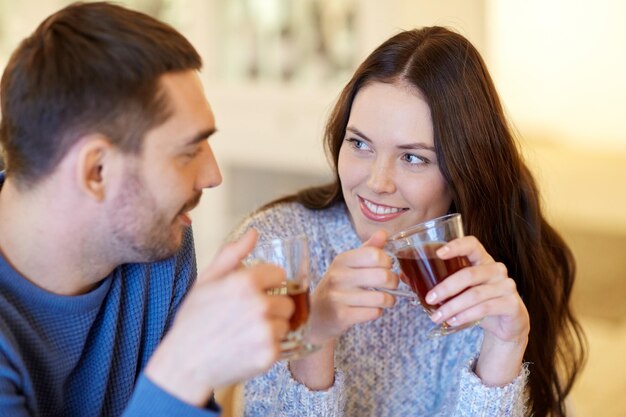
485,292
342,298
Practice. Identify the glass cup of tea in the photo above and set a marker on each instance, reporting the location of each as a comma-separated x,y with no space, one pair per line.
420,267
291,254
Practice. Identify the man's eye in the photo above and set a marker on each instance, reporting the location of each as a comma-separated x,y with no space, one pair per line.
194,153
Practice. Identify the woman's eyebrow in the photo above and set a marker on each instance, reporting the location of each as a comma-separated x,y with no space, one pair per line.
408,146
417,145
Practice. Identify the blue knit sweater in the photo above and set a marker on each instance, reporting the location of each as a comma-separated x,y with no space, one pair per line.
83,355
384,368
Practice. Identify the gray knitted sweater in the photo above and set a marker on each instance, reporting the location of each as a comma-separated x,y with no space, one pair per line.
384,368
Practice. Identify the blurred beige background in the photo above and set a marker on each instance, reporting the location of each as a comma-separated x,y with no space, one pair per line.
274,67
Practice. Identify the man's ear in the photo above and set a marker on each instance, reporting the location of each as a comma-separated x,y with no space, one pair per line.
95,159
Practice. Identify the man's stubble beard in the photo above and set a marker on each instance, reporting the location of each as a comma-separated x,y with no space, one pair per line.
140,231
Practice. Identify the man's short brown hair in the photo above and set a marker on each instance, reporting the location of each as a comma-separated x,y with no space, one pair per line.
89,68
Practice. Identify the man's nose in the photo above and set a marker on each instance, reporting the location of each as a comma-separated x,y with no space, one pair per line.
210,175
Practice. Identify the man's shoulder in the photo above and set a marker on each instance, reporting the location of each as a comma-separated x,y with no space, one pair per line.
6,332
11,353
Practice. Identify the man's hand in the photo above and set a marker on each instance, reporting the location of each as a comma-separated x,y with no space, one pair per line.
227,329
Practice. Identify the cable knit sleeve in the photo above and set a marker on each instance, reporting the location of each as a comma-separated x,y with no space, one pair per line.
476,399
278,394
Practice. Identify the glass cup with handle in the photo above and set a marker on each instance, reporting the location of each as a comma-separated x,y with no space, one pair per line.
414,249
291,254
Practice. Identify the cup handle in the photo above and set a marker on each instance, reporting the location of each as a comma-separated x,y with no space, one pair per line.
396,293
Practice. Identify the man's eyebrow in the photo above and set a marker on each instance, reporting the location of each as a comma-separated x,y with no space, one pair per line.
200,136
408,146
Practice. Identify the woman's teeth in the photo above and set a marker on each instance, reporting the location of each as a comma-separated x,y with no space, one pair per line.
375,208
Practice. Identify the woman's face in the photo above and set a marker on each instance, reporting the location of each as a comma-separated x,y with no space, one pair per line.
387,164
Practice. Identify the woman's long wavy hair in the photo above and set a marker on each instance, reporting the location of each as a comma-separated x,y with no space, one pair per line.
491,187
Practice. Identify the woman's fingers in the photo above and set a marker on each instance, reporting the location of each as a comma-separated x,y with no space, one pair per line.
477,299
345,277
482,291
341,299
465,246
377,239
506,317
465,278
364,257
362,314
333,312
364,298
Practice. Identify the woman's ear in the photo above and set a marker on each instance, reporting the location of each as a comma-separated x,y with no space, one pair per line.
94,160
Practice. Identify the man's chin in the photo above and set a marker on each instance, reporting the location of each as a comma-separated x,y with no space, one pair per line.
155,253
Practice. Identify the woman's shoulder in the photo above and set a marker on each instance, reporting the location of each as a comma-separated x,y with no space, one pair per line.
281,220
283,212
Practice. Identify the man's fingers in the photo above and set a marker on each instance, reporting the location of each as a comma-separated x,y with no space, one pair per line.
266,276
279,329
280,307
230,256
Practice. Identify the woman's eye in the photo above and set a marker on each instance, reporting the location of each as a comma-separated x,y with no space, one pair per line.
358,144
415,159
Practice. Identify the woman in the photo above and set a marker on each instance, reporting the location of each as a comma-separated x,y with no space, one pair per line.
418,132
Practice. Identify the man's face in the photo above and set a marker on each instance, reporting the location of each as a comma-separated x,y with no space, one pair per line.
149,212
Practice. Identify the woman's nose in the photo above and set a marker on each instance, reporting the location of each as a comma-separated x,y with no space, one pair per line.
381,179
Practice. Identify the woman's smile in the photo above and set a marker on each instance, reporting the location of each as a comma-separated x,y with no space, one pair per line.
379,212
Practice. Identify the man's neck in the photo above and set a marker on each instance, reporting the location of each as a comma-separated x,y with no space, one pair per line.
48,243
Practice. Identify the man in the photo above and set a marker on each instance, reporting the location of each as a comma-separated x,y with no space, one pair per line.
105,127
